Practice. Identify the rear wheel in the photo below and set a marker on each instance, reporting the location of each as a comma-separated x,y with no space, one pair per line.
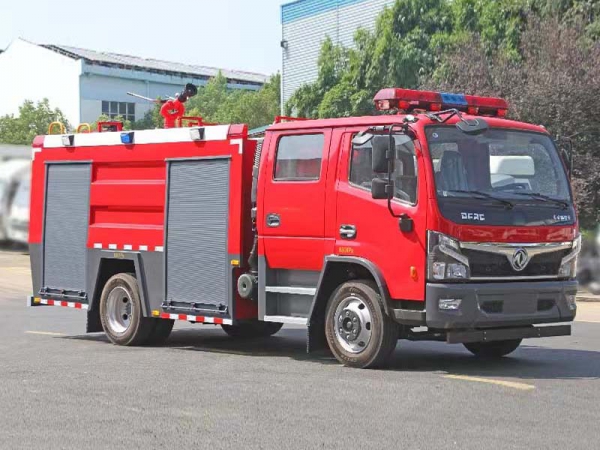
494,349
253,329
359,332
121,311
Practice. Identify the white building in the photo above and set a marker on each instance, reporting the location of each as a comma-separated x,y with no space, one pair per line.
83,84
306,24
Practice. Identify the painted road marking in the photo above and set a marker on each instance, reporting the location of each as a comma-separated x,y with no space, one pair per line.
45,333
510,384
587,321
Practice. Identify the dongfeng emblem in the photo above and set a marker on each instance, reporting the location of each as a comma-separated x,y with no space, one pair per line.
519,259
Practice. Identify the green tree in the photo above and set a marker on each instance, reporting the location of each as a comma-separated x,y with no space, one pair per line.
32,120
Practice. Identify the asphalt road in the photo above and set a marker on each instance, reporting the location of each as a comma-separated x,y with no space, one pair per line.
60,388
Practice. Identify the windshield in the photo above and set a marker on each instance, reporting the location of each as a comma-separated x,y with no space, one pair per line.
405,168
499,162
501,169
22,196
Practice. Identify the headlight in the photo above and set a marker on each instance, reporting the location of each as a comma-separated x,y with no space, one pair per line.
444,259
568,265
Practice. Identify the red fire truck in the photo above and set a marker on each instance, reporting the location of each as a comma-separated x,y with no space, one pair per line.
438,219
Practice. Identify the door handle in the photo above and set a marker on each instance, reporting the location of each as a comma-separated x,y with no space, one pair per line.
347,231
273,220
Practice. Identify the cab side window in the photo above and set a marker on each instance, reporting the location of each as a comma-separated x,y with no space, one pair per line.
405,169
299,157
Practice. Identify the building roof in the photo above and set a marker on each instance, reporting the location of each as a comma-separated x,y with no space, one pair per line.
155,65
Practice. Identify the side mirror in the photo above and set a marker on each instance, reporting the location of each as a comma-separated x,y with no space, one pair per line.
381,154
565,146
381,189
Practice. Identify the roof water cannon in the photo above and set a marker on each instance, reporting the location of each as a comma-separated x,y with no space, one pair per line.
410,100
173,110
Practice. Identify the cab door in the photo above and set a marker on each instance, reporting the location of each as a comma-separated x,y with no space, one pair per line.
366,228
292,218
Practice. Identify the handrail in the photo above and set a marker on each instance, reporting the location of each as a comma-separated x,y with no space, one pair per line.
85,124
62,129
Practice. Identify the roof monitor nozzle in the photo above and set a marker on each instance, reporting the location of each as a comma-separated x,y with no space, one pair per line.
189,91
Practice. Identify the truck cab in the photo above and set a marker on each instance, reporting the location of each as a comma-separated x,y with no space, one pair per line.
447,216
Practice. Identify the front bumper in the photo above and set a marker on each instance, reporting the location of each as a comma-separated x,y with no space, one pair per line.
493,305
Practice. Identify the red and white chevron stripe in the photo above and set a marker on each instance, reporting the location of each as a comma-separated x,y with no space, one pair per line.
44,301
188,318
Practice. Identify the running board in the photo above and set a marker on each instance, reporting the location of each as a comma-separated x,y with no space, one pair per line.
286,319
291,290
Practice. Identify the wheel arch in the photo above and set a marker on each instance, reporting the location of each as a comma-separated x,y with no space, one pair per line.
338,270
102,269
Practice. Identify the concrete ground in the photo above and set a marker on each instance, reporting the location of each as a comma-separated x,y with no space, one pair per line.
63,389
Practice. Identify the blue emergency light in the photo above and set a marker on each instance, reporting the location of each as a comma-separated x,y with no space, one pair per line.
127,138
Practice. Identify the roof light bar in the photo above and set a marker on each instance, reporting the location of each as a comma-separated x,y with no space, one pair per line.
411,99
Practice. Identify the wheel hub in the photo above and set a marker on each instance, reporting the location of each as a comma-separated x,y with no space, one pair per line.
353,324
119,309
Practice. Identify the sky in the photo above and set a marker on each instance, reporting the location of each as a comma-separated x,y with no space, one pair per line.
229,34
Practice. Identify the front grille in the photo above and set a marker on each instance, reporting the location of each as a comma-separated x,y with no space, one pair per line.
490,265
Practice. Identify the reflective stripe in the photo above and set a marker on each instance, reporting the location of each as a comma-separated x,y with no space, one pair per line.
64,304
188,318
126,247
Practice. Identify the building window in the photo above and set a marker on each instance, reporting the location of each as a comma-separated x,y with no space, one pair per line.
123,109
299,157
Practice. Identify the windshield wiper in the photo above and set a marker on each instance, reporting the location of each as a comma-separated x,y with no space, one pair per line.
482,194
544,198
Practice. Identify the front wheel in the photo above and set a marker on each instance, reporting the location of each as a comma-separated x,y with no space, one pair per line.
494,349
359,332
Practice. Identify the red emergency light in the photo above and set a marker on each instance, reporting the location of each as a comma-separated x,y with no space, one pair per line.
411,99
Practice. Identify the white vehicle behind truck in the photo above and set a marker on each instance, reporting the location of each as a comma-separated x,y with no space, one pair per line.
18,218
12,172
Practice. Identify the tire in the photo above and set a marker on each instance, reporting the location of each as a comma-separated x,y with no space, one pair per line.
121,312
594,287
495,349
359,332
254,329
160,332
584,277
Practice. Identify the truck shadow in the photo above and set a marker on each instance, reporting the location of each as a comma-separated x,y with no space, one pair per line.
528,362
11,247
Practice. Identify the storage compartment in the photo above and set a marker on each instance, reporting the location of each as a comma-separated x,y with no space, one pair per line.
66,228
197,265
